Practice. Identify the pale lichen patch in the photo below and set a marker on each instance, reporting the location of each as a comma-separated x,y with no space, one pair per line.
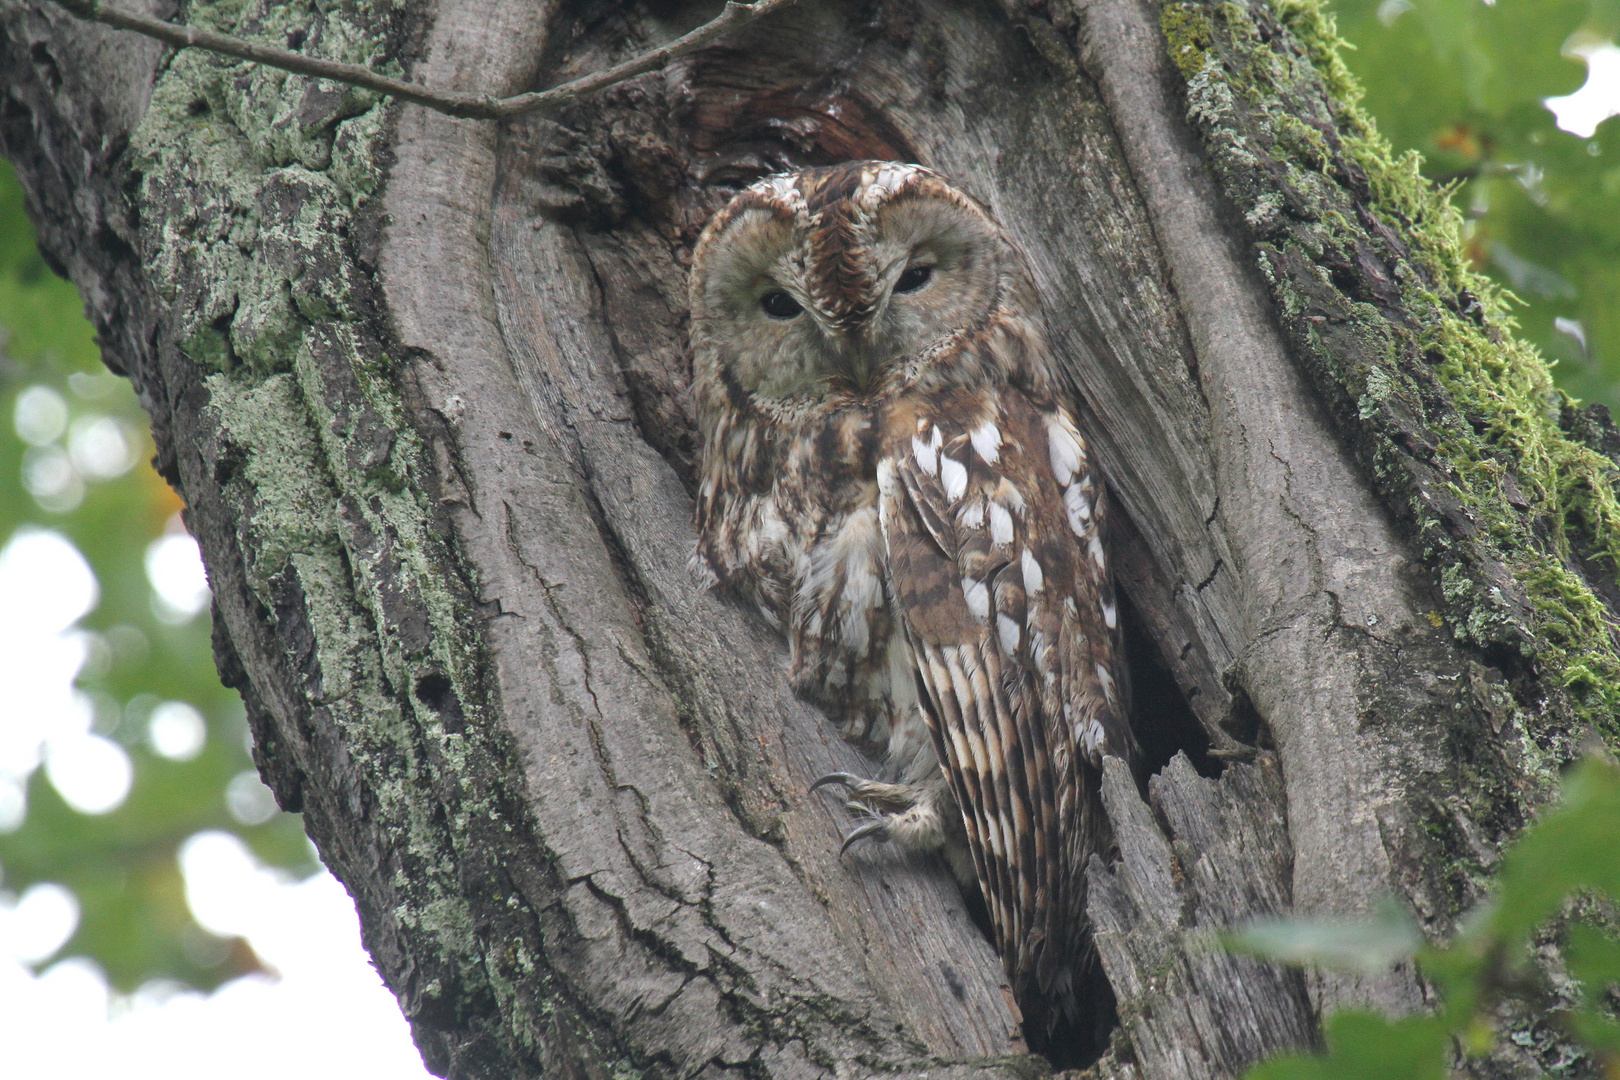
255,186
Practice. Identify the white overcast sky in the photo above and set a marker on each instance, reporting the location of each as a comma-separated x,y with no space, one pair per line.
326,1014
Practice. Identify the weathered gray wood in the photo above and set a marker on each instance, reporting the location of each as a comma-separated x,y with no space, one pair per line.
1322,600
1209,855
612,775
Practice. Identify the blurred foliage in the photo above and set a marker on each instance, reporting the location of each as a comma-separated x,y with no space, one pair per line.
121,865
1566,862
1462,82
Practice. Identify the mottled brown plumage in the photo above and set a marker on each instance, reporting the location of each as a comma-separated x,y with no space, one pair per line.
890,475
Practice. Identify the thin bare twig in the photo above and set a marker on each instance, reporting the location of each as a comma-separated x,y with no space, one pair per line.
455,103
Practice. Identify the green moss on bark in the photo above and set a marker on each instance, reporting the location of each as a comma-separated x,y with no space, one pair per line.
1488,466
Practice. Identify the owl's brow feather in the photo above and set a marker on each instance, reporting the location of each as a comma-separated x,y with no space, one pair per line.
845,283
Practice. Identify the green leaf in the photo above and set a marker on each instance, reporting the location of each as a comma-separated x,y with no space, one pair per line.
1462,82
1596,1030
1368,945
1365,1046
1571,848
1594,959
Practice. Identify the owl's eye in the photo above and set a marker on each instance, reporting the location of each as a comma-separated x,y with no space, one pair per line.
779,305
913,279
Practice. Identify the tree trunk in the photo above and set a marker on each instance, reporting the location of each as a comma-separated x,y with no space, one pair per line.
422,383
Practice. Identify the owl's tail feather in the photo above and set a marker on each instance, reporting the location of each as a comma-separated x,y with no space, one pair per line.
1071,1021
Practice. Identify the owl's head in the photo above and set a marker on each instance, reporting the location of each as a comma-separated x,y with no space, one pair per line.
843,280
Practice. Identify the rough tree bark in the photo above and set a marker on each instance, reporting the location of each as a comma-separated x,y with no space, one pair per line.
421,382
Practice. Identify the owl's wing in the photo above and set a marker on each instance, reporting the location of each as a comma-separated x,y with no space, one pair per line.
991,523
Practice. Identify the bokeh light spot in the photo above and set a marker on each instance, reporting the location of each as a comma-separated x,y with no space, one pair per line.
49,476
202,948
1390,10
13,805
94,387
38,923
101,448
40,416
179,583
248,800
176,731
225,883
130,645
45,584
1598,98
92,774
45,587
98,656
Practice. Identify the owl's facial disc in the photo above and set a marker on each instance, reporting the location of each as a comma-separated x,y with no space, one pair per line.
755,309
938,272
790,312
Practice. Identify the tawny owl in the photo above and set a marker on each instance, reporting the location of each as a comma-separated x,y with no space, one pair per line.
889,472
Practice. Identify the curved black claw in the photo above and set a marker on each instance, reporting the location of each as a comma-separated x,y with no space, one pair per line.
849,780
878,827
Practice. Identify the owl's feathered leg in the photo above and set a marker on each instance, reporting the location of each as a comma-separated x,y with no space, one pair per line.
918,817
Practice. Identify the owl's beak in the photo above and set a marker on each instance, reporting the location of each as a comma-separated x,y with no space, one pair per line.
858,369
852,350
857,353
857,360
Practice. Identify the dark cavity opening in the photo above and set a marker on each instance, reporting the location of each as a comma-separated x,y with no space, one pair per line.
434,691
1164,723
1077,1042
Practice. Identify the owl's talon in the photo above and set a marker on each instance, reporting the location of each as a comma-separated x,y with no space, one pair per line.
860,787
878,828
849,780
